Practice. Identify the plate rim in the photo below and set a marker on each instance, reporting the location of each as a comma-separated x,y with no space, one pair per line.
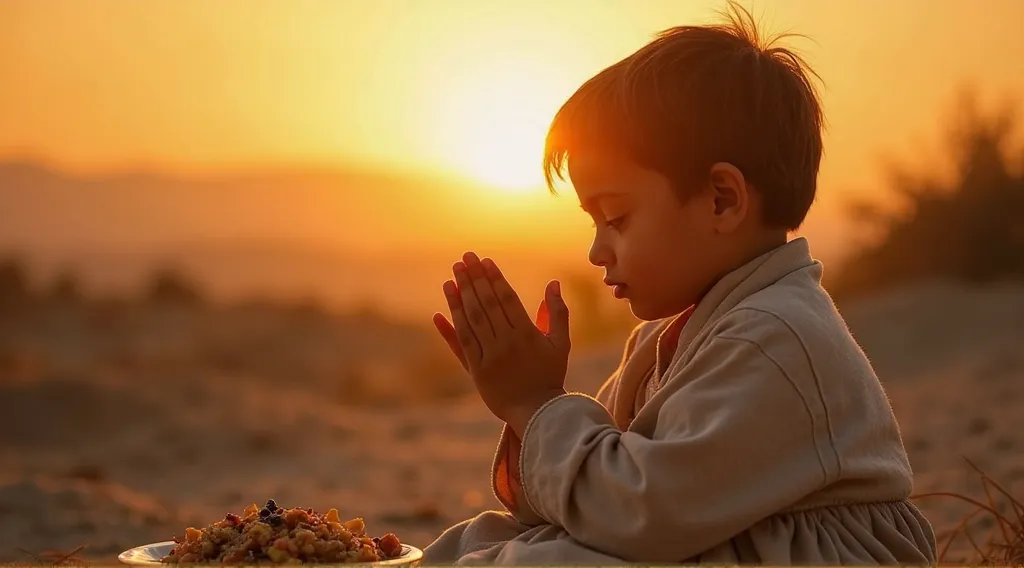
410,554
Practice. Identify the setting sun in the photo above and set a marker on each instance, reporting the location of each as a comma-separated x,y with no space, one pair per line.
503,124
504,146
494,118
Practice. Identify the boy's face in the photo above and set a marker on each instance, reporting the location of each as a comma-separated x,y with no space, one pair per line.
660,253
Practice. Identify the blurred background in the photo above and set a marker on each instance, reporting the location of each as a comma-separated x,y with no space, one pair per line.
224,227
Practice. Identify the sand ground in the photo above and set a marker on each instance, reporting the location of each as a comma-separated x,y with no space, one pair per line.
122,425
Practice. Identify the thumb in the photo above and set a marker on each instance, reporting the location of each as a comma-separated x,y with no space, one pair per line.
544,316
558,327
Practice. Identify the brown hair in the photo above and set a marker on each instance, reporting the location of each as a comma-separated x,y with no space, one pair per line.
697,95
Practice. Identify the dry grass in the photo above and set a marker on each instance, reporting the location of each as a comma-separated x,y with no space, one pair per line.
57,558
1005,543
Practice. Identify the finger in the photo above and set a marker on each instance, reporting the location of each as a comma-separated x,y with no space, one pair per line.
472,311
447,331
485,293
559,316
464,335
510,302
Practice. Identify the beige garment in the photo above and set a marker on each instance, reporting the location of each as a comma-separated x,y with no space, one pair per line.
768,440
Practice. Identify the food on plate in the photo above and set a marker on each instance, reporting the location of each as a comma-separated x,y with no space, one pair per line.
282,536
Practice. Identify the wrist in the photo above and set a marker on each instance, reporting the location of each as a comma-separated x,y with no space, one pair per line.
520,414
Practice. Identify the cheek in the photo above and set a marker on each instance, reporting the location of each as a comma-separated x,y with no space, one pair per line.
661,253
643,250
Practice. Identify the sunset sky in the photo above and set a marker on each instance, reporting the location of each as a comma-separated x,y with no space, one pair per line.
453,87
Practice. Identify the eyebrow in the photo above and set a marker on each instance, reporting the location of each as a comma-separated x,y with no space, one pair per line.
587,205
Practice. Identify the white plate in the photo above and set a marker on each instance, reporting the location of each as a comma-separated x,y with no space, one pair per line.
150,555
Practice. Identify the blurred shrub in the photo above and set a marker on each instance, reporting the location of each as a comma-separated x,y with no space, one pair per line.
969,228
172,286
14,285
66,287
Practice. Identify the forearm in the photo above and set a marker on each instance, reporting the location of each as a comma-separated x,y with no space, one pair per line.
578,475
506,479
662,500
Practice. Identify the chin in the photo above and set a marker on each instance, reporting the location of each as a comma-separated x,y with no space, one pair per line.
650,312
646,313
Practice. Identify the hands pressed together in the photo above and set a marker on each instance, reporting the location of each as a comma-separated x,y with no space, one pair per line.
517,365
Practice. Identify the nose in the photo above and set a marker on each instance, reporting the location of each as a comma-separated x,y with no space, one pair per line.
601,253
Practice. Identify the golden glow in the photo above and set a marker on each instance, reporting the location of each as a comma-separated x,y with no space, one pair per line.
466,90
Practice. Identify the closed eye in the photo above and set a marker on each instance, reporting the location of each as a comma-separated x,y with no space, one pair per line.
616,223
612,223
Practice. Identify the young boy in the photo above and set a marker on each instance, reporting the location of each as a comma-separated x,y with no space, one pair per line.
744,424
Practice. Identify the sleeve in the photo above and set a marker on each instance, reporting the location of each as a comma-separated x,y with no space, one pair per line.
506,480
734,444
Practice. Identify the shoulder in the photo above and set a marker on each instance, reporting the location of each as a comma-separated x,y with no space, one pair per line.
794,324
793,311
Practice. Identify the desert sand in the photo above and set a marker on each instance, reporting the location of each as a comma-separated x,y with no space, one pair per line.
123,424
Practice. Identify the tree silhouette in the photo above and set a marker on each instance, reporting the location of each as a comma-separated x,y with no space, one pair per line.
969,228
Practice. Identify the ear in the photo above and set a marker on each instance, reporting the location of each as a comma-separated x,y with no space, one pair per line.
730,196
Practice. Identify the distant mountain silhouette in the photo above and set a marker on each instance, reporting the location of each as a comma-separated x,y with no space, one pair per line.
343,235
43,209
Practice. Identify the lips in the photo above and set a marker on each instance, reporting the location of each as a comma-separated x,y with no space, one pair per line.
618,288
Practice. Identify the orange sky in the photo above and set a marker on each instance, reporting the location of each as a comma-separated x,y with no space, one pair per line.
464,87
